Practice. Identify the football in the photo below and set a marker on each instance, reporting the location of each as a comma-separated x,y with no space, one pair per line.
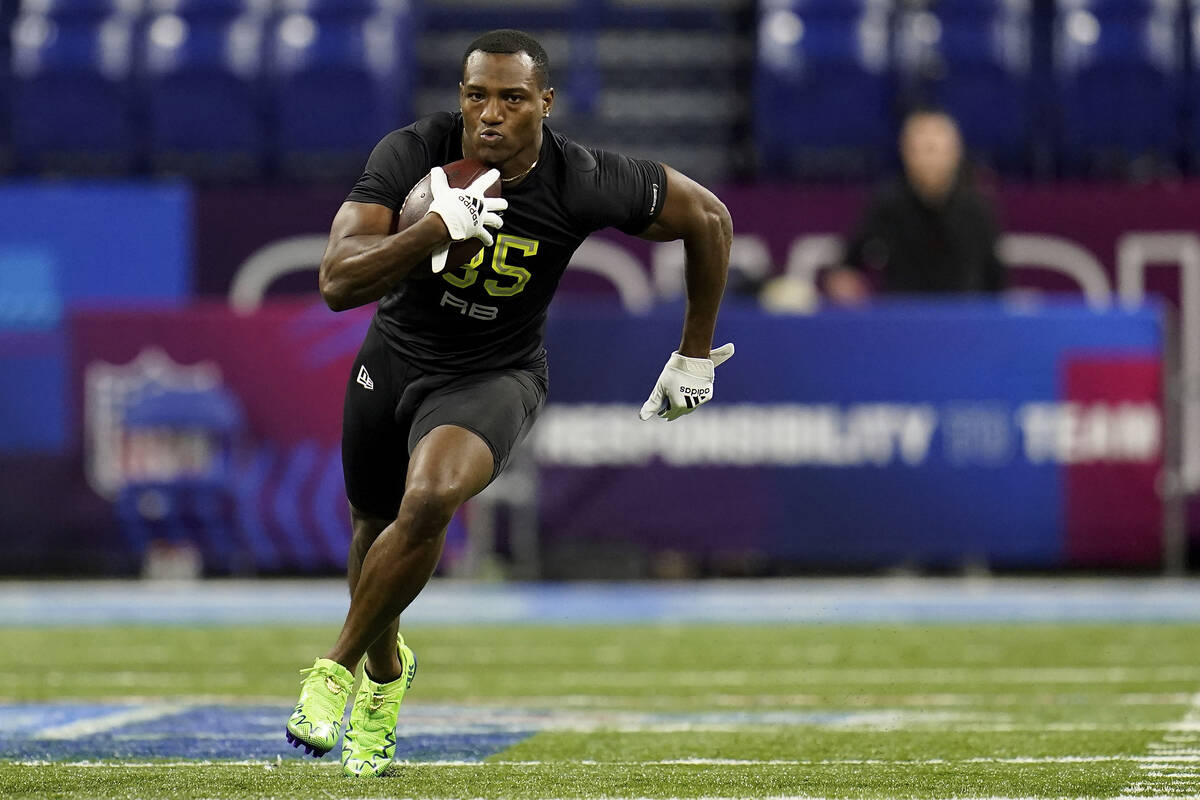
459,174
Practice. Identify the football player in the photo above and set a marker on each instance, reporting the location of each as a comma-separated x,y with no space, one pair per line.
452,372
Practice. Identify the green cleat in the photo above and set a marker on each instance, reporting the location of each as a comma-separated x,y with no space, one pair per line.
370,740
317,719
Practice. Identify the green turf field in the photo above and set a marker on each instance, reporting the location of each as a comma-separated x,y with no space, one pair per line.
856,711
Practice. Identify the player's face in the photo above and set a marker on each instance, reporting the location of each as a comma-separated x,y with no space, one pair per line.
502,108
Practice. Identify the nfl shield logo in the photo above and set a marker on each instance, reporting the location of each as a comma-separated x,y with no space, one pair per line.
110,391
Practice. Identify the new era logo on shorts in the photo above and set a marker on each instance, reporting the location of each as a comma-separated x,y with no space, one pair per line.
365,379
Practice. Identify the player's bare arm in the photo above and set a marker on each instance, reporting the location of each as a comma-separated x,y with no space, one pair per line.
695,215
364,260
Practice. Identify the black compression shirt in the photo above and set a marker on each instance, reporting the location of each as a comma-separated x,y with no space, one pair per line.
491,314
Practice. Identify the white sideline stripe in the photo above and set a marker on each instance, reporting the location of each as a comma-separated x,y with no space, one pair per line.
108,722
42,603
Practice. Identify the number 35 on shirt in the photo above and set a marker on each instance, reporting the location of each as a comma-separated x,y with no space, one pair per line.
510,279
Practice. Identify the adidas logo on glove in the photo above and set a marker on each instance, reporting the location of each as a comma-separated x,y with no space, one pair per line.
474,206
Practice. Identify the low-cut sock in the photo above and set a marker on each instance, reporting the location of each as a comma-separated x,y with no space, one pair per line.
398,676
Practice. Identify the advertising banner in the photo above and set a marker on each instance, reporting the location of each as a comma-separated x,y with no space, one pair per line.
912,435
221,428
921,434
72,244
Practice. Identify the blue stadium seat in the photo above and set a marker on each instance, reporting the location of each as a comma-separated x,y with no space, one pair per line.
332,9
974,58
71,94
1120,83
535,16
827,8
823,92
1193,92
204,9
337,87
7,17
81,9
650,15
1110,7
203,95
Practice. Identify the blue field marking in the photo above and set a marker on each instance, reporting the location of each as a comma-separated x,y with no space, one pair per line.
43,732
70,733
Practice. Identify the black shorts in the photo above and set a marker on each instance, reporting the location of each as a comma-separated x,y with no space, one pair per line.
390,405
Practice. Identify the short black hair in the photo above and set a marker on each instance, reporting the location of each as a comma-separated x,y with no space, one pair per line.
507,40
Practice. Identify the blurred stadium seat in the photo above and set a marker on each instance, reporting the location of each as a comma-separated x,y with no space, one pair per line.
344,9
477,16
659,79
230,89
201,72
72,105
81,9
338,84
823,87
974,58
1121,85
1192,106
209,9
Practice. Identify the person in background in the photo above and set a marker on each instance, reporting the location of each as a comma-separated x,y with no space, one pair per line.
929,232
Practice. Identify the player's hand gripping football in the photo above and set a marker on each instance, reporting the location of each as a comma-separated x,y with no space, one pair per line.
685,384
466,212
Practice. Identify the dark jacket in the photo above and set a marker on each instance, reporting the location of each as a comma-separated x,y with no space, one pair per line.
906,245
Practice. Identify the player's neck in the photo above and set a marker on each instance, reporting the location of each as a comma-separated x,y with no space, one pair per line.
517,168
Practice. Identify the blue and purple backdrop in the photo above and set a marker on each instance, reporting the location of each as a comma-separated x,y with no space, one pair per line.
1026,434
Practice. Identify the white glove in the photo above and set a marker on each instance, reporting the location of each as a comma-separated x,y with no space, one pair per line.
466,212
685,384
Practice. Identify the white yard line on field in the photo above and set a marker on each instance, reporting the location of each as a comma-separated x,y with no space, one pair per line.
834,700
1158,774
807,676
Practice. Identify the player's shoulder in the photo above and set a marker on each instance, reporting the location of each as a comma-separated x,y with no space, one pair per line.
583,167
602,188
576,160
